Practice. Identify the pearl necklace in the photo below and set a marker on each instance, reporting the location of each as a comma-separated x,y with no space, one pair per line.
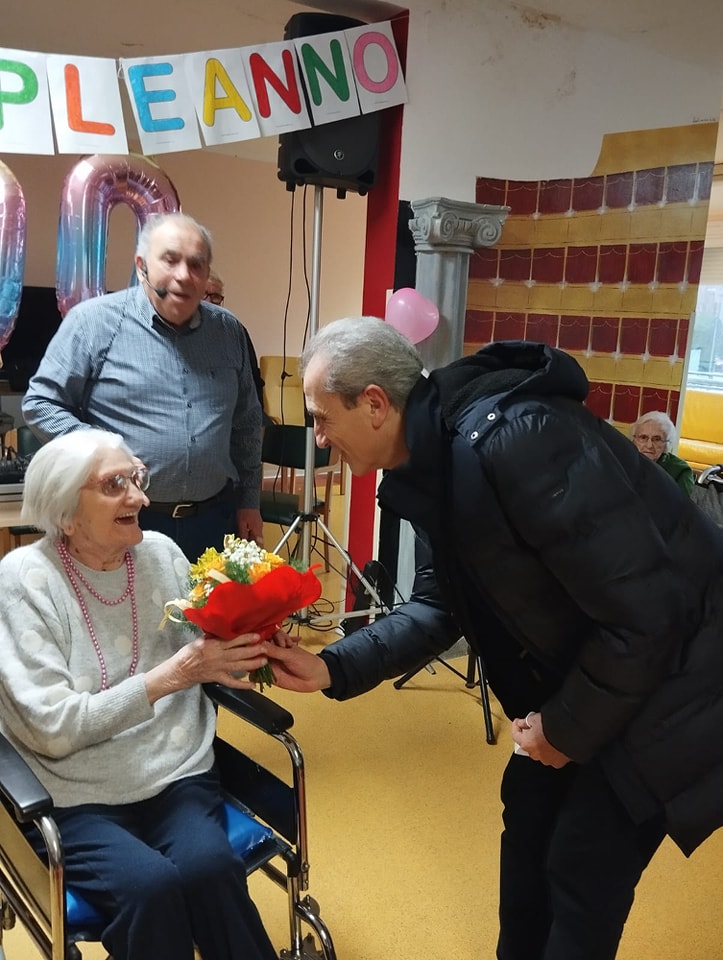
75,576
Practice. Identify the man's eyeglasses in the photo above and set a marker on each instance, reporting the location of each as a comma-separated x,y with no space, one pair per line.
216,298
643,438
117,485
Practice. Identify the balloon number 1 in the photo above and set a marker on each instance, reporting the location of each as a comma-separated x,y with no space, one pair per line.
13,234
91,190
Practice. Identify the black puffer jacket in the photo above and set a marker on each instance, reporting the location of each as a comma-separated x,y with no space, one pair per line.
590,584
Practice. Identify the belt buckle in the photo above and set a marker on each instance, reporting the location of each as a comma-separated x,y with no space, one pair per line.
180,506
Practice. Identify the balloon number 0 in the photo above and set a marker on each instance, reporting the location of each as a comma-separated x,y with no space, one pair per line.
91,190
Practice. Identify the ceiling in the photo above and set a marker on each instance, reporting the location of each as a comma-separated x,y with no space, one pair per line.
691,32
676,28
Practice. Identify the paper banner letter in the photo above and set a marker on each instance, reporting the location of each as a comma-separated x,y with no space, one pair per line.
327,71
26,125
86,104
27,90
164,114
221,96
276,83
378,72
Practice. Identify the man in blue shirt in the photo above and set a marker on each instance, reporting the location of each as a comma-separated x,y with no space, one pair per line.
171,373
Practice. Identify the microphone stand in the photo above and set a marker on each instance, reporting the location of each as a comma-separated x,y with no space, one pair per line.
308,514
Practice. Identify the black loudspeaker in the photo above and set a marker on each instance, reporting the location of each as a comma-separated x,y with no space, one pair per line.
342,154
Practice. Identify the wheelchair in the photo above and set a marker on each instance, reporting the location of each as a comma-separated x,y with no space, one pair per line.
708,493
266,824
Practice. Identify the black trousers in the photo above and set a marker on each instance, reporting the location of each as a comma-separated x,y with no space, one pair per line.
570,859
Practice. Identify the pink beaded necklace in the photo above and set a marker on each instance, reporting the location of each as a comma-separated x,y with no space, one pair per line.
76,577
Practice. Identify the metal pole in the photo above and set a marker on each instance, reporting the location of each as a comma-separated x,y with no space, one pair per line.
310,452
304,521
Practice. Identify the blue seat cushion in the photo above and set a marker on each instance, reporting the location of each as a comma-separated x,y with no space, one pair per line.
246,835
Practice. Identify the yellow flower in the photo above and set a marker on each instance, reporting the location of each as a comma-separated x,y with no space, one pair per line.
210,559
198,592
258,570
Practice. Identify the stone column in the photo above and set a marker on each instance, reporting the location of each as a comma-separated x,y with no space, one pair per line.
445,234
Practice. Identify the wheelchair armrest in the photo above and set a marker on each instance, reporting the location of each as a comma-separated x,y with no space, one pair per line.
20,786
252,707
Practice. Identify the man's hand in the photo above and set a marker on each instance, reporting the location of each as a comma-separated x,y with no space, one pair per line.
531,737
297,669
250,526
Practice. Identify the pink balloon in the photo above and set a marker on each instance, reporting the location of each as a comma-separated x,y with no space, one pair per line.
412,314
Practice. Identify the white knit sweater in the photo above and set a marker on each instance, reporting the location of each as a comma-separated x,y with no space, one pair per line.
85,744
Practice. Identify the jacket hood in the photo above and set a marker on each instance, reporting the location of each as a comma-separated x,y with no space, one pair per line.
509,366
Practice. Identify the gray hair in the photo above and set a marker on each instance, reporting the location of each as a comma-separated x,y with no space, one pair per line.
364,350
662,421
56,474
158,220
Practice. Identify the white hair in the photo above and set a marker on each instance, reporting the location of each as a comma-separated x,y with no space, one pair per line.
157,220
363,350
56,474
661,420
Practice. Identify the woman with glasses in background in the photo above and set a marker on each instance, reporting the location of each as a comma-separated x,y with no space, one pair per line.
653,434
109,712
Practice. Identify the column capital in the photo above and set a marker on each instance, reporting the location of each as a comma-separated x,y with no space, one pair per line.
454,225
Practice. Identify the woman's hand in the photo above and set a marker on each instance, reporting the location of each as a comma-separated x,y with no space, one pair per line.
208,660
297,669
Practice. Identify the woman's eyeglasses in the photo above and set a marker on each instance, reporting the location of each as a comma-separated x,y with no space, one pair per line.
216,298
117,485
643,438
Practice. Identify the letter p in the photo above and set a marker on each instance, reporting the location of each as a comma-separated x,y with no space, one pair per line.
27,91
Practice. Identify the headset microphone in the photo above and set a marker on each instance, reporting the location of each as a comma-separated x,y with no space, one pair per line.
159,291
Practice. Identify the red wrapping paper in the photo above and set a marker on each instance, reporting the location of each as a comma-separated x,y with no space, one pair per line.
234,608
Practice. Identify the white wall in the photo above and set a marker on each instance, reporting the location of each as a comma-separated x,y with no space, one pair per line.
503,93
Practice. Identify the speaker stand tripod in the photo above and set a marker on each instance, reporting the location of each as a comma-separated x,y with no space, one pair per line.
307,516
475,666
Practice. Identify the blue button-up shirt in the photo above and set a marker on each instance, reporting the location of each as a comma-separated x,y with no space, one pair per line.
183,398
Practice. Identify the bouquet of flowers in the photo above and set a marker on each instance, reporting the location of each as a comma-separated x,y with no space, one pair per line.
243,589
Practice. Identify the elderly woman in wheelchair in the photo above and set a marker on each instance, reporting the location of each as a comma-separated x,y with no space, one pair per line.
110,713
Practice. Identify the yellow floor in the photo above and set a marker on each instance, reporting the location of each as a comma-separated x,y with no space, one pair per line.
404,820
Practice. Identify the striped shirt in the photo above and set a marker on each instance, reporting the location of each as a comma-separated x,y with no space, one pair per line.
183,398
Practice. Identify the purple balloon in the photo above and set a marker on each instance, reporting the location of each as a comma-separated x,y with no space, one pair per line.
412,314
13,232
91,190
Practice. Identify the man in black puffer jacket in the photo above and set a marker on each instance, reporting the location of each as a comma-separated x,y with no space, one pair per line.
591,586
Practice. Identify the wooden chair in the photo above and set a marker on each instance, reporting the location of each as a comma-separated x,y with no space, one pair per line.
283,391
